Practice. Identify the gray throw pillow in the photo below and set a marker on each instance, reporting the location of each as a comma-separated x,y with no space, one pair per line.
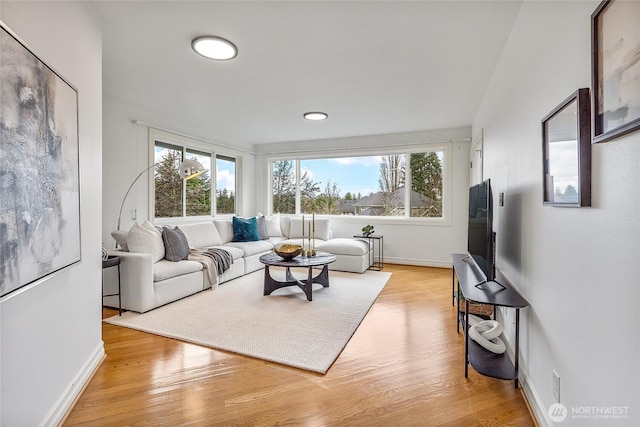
176,246
262,228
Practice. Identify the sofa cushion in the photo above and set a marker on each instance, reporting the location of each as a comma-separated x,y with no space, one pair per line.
164,269
236,253
343,246
322,231
176,246
146,239
251,248
273,225
262,227
245,229
201,234
275,240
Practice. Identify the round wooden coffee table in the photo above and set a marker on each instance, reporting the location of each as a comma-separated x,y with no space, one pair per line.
320,259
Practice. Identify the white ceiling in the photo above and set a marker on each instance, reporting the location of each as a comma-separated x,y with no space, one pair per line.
374,67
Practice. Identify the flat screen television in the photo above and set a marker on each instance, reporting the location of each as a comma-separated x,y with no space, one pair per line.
481,238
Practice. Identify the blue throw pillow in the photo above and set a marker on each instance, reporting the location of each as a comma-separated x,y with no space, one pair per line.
245,230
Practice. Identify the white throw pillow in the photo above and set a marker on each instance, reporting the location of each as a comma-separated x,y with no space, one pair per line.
225,229
120,237
322,231
146,239
273,225
201,235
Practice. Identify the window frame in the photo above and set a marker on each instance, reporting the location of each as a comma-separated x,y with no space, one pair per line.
407,150
214,199
199,147
152,179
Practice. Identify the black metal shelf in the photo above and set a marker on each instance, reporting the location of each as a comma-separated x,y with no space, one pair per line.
499,292
488,363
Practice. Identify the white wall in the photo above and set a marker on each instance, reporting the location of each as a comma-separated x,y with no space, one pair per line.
406,241
578,268
50,334
126,154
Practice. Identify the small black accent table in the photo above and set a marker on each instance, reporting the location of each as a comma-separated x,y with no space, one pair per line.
320,259
498,293
377,261
113,261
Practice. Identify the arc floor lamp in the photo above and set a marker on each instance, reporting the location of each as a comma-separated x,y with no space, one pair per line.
188,169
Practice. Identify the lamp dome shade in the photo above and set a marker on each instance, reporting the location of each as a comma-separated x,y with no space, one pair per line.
191,168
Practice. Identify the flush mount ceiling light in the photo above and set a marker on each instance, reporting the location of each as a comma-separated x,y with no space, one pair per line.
213,47
315,115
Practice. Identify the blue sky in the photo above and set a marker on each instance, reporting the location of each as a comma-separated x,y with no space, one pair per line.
351,174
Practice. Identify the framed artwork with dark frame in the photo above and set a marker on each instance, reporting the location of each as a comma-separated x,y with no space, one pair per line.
566,151
615,68
39,168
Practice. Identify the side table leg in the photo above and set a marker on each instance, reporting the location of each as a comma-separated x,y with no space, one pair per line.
119,294
453,286
466,339
517,351
458,310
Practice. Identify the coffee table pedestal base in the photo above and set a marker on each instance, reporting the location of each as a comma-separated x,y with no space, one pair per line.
270,284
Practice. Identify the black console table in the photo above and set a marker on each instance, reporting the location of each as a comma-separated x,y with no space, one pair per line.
497,293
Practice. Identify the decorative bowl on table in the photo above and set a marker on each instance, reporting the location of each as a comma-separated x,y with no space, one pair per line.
288,251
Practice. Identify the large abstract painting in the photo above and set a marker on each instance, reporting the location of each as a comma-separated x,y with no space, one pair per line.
39,168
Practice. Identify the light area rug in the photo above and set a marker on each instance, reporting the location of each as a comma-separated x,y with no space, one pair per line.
282,327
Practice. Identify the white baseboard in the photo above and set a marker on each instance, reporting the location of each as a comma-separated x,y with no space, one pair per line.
539,412
65,402
533,400
418,262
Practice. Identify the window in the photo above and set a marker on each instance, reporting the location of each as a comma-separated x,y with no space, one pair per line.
426,184
168,184
177,198
283,178
393,185
225,185
198,189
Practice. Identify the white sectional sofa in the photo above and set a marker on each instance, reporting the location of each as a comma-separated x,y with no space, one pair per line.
148,280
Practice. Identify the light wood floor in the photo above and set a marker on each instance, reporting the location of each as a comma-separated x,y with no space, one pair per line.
403,367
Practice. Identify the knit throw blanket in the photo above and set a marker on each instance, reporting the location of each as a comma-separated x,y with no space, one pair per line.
215,261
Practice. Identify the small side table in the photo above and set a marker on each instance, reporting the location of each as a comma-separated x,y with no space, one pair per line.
377,261
113,261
